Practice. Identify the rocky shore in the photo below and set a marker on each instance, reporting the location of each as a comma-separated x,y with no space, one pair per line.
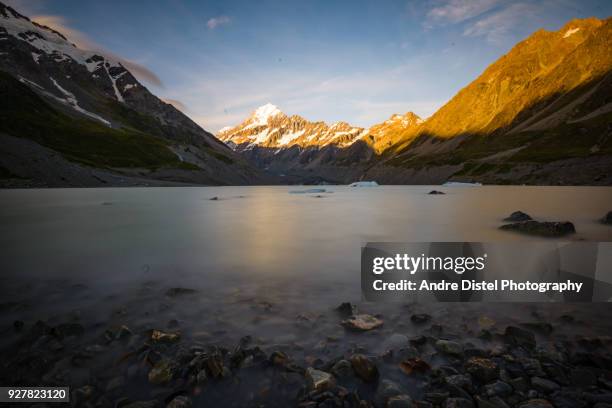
527,365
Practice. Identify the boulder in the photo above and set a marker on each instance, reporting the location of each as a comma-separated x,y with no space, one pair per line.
520,337
518,216
319,380
362,322
543,229
449,347
364,368
482,369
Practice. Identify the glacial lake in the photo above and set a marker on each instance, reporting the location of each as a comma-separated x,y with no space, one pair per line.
262,261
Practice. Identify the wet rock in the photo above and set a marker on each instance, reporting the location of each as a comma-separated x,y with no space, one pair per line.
449,347
518,216
342,368
519,384
498,388
544,229
162,372
436,192
84,393
279,358
414,365
67,330
362,322
115,384
159,336
364,368
607,219
180,401
319,380
536,403
174,292
419,318
347,309
387,389
458,403
483,369
520,337
460,380
400,401
418,340
544,385
142,404
18,325
215,198
540,327
582,377
123,333
532,367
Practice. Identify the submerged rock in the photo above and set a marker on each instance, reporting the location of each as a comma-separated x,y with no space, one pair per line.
159,336
518,216
544,229
519,337
319,380
364,368
362,322
449,347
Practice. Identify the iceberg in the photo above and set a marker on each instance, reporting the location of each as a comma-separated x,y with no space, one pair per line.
309,191
364,184
461,184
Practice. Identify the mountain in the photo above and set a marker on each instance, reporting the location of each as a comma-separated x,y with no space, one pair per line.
75,117
540,114
302,151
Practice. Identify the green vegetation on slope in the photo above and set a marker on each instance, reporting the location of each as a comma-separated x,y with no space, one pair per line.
25,114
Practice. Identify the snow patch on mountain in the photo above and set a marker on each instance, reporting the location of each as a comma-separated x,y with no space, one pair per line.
571,31
71,100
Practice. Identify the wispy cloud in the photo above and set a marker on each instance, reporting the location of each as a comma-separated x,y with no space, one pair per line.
496,26
456,11
217,21
177,104
82,41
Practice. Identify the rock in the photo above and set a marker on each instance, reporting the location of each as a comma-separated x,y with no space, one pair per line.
536,403
532,367
362,322
123,333
414,365
607,219
518,216
436,192
544,385
460,380
279,358
540,327
458,403
520,337
449,347
419,318
482,369
215,198
159,336
68,329
319,380
174,292
387,389
364,368
400,401
142,404
342,369
18,325
544,229
582,377
347,309
498,388
395,341
162,372
115,384
180,401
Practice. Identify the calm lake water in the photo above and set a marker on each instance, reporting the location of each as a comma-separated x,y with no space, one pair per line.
264,262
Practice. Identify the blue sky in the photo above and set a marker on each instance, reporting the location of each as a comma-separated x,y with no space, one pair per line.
358,61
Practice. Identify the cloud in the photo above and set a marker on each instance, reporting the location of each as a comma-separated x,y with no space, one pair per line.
456,11
176,103
217,21
82,41
496,27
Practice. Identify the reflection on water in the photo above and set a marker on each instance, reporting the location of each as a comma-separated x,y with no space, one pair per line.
99,249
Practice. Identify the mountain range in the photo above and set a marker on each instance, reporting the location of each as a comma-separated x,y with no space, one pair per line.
541,114
75,117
